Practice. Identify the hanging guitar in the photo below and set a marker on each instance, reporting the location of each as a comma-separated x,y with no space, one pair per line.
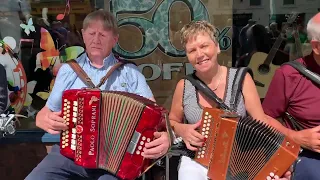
261,63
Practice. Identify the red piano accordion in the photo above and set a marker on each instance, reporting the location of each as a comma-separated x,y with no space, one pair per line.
108,130
243,148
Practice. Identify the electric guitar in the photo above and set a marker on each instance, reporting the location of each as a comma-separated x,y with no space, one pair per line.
261,63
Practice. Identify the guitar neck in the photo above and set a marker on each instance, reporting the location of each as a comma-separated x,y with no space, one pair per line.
298,43
273,50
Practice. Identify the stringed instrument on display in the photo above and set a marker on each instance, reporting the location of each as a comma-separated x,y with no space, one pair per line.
261,63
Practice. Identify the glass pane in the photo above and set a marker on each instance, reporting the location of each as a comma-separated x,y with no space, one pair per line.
255,2
37,37
276,35
43,34
288,2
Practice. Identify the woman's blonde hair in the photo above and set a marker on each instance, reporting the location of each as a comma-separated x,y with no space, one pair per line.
196,27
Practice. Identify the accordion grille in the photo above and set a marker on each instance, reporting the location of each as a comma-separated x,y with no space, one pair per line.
119,117
254,144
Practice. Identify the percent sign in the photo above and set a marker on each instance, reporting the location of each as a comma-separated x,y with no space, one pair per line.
224,39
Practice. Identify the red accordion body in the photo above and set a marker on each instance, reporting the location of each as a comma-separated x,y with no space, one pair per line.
108,130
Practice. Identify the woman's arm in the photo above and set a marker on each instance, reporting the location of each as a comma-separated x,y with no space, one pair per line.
254,107
187,132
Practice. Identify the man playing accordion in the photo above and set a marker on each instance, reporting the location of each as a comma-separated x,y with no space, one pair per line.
100,35
295,99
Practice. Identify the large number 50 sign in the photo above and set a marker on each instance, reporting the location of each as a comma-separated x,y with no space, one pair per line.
155,32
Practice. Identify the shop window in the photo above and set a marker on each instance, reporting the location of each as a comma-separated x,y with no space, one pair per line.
255,2
288,2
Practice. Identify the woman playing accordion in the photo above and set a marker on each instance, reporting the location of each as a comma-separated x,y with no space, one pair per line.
189,104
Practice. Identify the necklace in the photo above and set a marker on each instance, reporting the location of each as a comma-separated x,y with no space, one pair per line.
219,80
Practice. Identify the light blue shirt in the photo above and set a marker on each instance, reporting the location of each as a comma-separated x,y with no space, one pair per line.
127,78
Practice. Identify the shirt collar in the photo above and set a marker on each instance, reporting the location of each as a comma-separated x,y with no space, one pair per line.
107,62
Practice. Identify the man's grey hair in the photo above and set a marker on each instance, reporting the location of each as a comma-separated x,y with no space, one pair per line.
108,20
313,30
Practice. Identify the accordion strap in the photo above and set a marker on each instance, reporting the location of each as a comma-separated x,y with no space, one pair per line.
206,90
304,71
80,72
86,79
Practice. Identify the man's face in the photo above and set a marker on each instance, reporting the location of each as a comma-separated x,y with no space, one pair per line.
98,41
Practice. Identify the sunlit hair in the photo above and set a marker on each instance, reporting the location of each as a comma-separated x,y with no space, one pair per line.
196,27
313,30
108,20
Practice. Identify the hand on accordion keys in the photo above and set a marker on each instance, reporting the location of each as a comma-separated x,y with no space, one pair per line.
52,122
286,176
190,135
158,147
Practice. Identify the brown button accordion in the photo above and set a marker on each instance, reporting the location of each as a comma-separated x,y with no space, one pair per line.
243,148
108,130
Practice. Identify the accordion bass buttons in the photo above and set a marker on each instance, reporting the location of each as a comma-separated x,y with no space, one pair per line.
137,144
69,110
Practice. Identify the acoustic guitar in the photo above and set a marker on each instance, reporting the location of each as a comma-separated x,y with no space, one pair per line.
261,63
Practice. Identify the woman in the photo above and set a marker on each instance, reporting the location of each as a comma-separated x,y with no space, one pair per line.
202,48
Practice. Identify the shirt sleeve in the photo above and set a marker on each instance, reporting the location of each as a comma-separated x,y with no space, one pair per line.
137,82
275,102
62,82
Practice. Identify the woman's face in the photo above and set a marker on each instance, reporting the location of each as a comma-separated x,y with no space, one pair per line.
202,52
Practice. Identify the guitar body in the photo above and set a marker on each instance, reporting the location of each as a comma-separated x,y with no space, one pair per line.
262,73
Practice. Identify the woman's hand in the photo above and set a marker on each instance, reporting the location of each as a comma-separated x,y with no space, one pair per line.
286,176
190,135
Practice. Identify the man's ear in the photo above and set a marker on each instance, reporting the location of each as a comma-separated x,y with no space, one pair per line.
115,39
82,32
315,47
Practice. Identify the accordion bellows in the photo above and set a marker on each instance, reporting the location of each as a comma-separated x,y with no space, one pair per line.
108,130
243,148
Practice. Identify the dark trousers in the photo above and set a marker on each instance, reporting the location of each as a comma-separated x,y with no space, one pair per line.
308,166
57,167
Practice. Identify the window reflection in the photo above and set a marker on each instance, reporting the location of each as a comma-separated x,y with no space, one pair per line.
47,33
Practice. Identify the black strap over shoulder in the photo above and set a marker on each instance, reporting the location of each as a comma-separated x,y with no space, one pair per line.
310,75
235,91
304,71
206,90
238,85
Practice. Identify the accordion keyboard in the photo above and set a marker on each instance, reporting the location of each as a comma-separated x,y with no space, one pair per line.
69,113
209,125
67,138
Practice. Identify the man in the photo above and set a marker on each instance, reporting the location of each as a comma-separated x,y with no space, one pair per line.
100,35
3,90
292,93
